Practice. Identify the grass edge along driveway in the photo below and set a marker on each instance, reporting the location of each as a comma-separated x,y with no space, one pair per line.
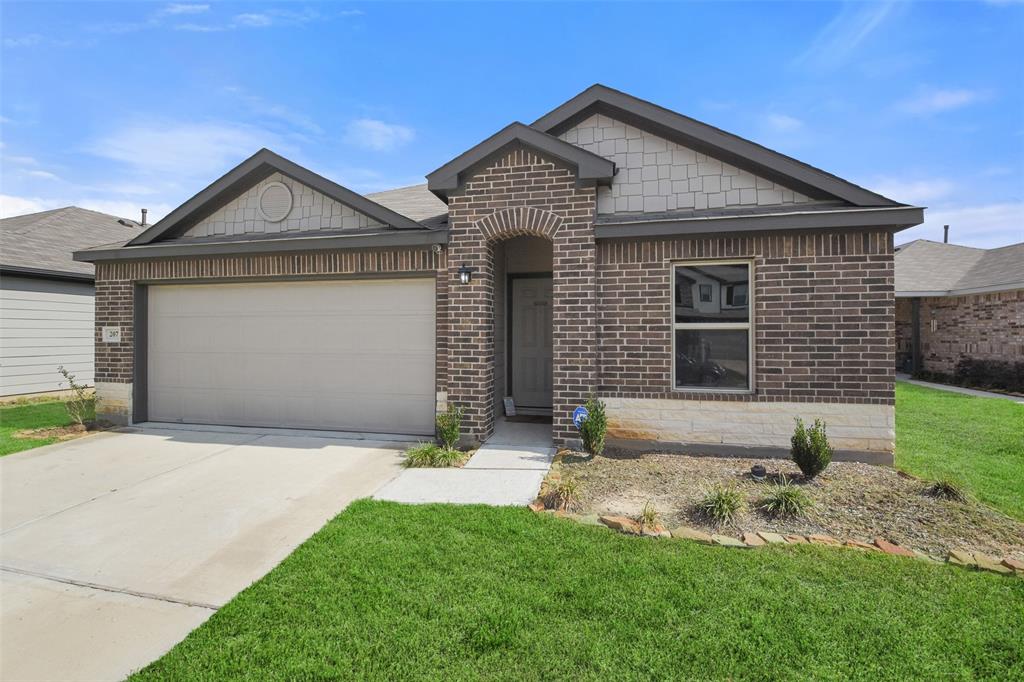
978,442
36,414
386,591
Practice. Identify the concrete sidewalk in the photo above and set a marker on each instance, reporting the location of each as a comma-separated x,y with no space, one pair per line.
506,471
959,389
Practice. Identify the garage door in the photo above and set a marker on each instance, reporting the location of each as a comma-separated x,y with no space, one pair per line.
355,355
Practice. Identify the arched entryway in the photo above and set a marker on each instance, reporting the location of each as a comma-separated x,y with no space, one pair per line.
523,328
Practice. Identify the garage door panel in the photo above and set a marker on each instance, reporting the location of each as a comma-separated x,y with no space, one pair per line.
353,355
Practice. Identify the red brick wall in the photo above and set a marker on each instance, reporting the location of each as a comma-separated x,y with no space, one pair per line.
823,315
521,193
980,326
904,333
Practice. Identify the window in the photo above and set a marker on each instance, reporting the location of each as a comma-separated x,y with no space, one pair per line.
711,326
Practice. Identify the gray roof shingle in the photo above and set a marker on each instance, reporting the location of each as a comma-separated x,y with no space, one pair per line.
416,202
47,240
927,266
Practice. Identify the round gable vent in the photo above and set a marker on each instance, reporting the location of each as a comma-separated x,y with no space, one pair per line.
275,202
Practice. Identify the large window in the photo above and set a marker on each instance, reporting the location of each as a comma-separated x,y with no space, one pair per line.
711,326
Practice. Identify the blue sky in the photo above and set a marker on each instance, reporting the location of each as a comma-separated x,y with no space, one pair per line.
117,106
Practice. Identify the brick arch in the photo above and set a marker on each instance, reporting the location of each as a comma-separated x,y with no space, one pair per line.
518,222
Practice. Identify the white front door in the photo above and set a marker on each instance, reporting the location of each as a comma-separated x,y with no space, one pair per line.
351,355
531,342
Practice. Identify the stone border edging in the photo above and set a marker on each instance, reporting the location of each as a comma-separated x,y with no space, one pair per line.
752,540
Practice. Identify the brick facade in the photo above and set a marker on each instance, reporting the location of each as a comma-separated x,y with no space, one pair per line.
979,326
521,193
823,316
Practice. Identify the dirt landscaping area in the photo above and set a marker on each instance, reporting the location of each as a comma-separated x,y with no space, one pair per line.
850,501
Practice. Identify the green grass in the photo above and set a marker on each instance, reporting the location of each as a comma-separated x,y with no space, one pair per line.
978,442
34,415
392,592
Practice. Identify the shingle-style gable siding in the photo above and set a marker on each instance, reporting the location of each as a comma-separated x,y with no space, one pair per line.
657,175
311,211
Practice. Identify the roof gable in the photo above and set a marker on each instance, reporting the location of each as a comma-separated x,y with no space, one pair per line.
251,172
590,168
707,139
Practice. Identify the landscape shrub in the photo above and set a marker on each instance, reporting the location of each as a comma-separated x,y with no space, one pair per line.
785,500
593,428
999,375
449,426
947,489
721,505
811,450
649,516
432,455
80,402
564,495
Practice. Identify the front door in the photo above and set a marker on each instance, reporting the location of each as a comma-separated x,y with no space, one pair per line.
531,342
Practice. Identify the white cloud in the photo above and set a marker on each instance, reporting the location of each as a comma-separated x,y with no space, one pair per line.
20,160
12,205
200,28
176,151
839,39
127,209
253,20
30,40
178,8
921,191
782,123
985,226
934,101
41,174
377,135
274,110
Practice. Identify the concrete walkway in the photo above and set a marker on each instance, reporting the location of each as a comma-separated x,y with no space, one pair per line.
116,545
959,389
506,471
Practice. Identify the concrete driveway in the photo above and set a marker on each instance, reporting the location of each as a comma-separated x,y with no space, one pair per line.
115,546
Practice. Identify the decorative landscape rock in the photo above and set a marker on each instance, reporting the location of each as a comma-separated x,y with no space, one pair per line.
960,557
727,541
772,538
987,563
890,548
752,540
796,539
1016,565
621,523
537,506
823,540
687,533
857,544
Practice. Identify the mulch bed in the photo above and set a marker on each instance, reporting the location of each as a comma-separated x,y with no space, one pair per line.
851,501
63,432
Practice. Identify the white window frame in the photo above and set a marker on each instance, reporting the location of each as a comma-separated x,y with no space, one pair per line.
748,326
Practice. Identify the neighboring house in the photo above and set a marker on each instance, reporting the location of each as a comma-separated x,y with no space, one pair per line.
956,302
46,297
708,289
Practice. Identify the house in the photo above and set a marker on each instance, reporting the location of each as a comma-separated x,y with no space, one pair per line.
708,289
46,297
956,302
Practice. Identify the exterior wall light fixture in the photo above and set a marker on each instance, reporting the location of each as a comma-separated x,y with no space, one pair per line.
466,274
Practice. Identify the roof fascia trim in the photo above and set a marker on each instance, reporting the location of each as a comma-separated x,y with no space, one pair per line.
990,289
590,167
394,238
726,146
258,166
43,273
896,218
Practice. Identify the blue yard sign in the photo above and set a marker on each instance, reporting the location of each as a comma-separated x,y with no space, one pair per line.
579,415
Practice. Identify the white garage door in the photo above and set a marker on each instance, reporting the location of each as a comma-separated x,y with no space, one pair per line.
354,355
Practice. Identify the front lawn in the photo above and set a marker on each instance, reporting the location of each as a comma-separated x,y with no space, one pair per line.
49,414
976,441
386,591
